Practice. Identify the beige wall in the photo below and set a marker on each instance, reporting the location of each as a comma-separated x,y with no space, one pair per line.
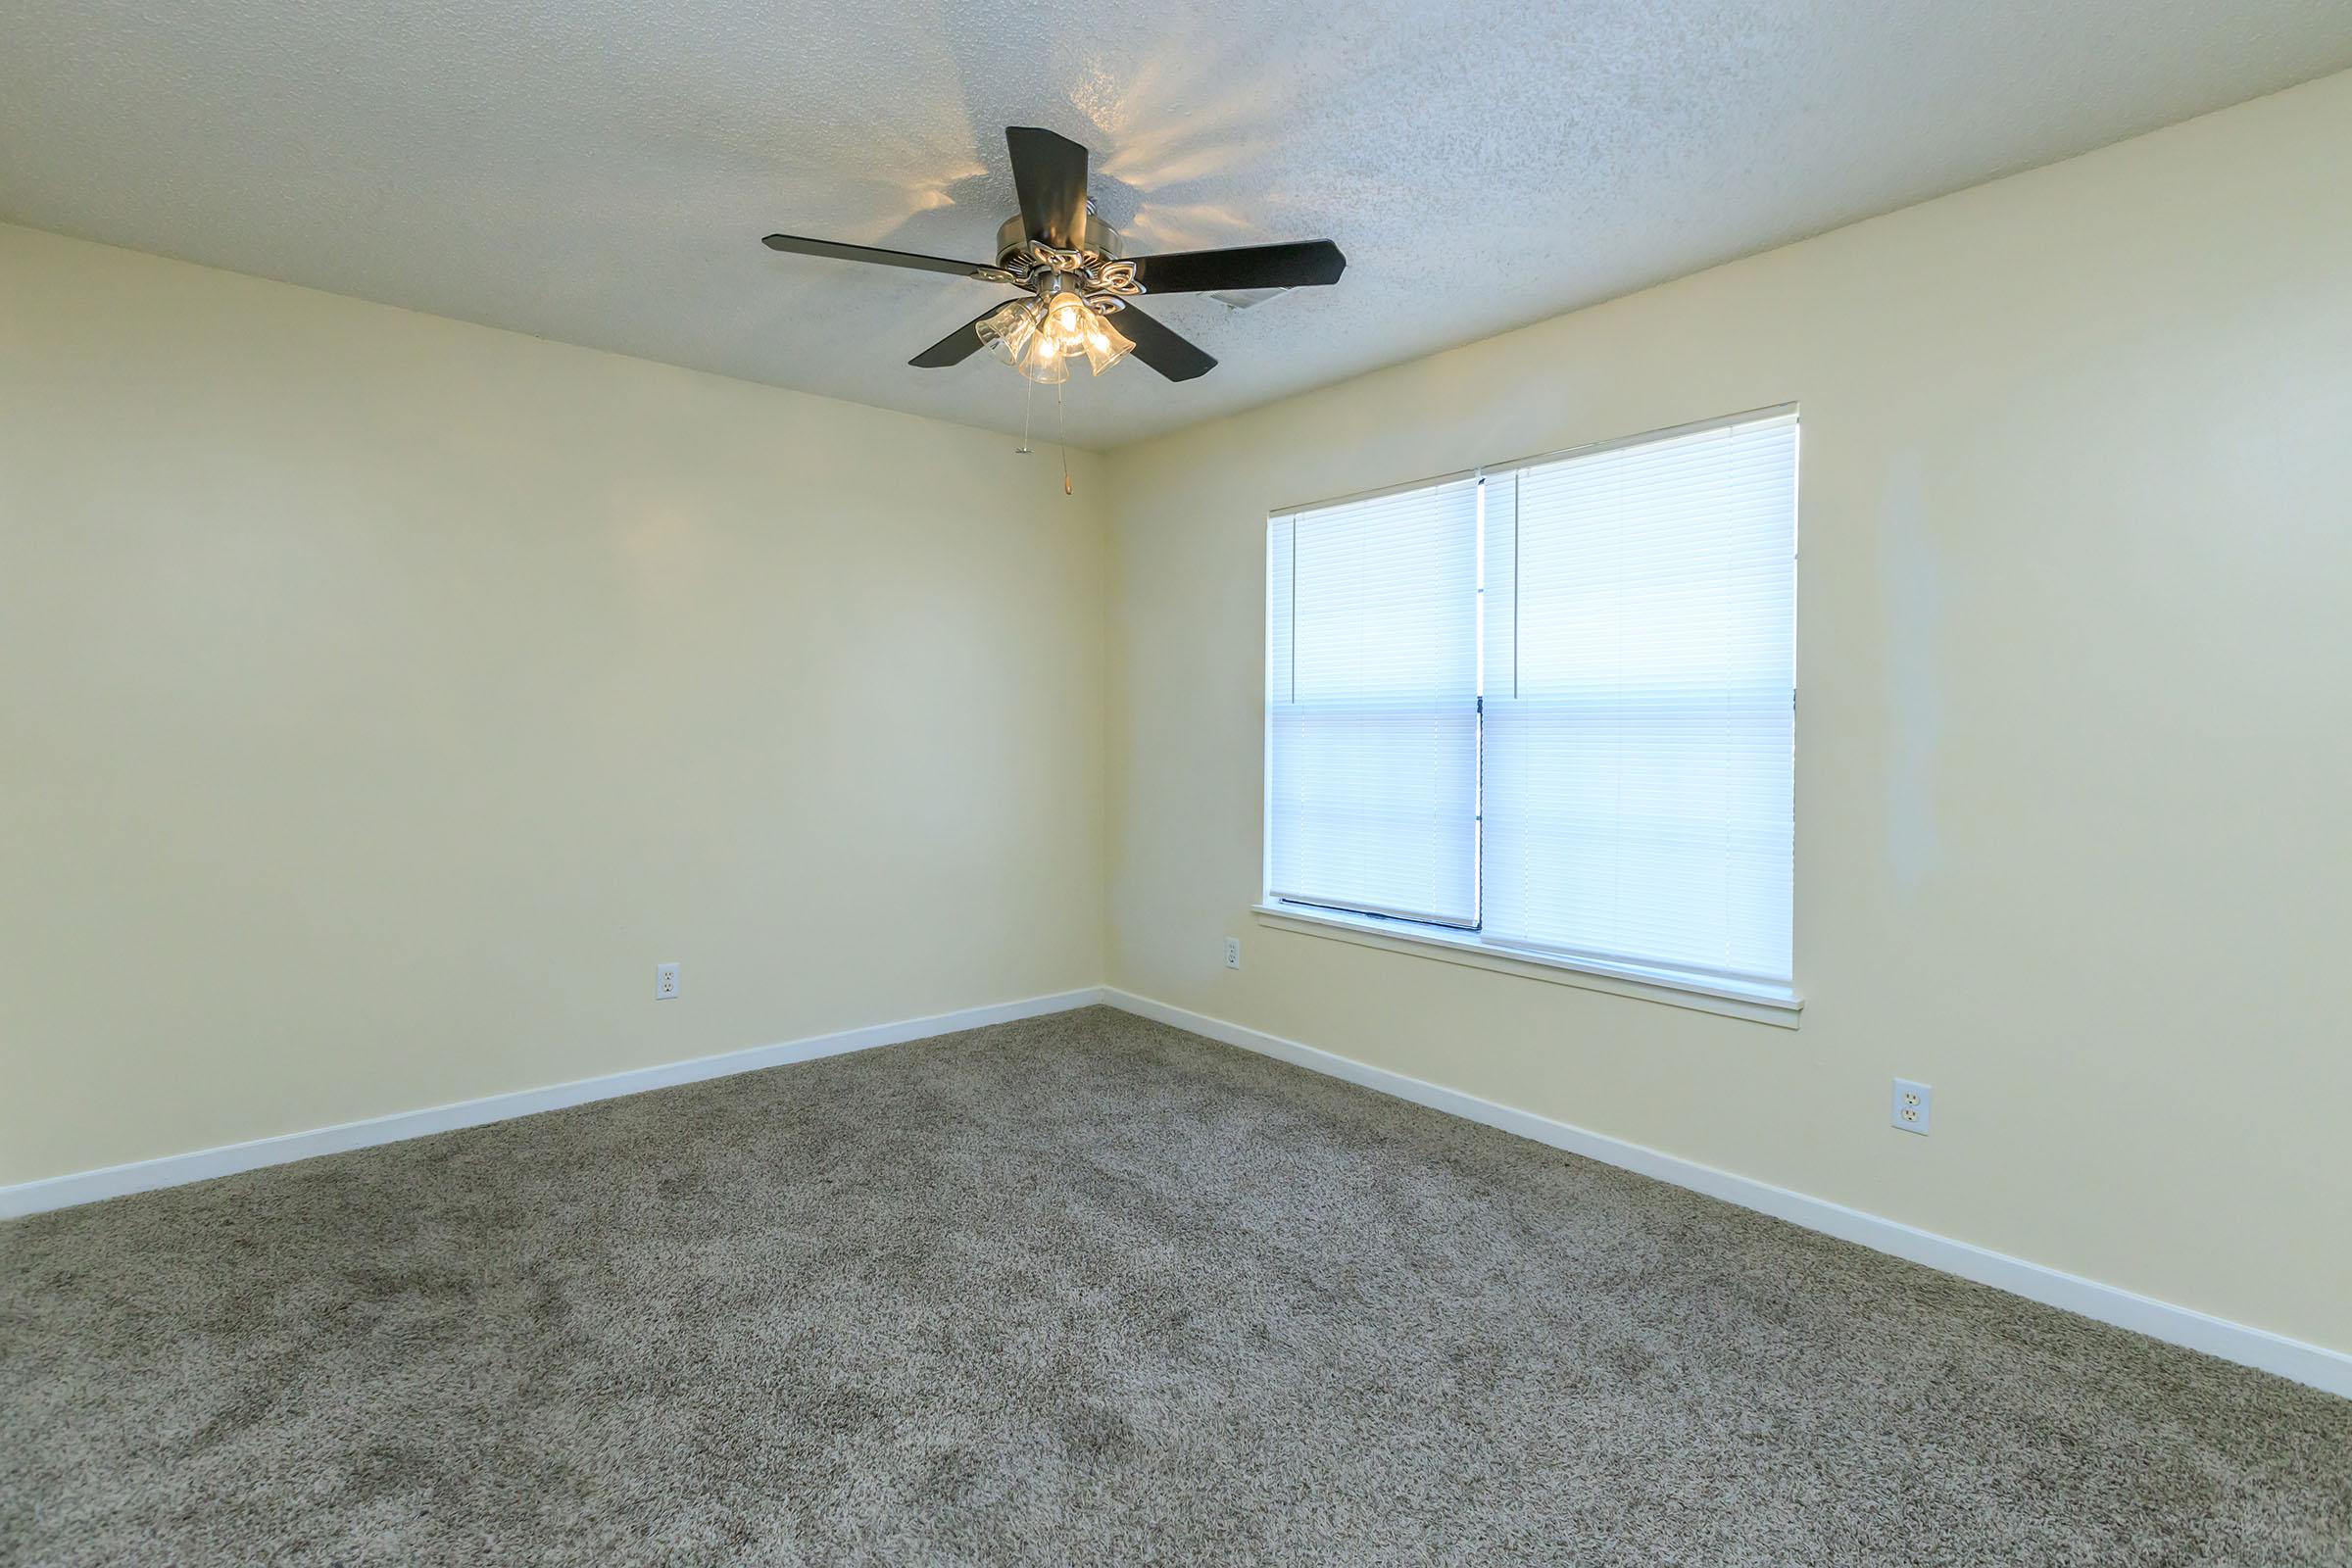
2074,746
381,697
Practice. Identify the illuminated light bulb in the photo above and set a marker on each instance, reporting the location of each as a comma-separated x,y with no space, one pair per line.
1041,360
1104,344
1066,320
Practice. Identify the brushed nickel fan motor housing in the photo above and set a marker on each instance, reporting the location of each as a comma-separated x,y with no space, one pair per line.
1012,241
1097,274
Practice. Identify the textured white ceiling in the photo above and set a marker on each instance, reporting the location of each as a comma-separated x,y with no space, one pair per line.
600,171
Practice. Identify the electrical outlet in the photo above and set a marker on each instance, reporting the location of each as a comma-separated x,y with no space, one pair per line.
1233,953
665,981
1913,1108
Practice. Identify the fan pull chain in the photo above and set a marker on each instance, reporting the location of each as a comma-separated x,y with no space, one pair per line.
1062,442
1028,387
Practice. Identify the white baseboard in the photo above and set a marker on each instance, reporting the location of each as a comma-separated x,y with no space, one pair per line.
173,1170
2316,1365
2313,1364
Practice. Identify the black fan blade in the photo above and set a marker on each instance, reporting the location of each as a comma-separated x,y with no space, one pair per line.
1296,264
1048,171
1176,358
867,253
956,347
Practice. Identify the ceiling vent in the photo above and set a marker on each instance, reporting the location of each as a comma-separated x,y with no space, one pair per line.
1241,299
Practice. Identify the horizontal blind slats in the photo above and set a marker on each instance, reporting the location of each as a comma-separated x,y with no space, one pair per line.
1640,741
1372,722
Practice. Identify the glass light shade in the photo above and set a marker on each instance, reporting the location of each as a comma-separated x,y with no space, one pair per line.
1009,330
1104,344
1041,360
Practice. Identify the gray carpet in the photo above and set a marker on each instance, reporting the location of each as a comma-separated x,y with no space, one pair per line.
1080,1290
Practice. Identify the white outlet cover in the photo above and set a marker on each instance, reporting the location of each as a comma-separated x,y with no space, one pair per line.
665,981
1233,953
1912,1108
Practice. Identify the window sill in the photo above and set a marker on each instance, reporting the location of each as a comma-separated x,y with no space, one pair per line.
1778,1005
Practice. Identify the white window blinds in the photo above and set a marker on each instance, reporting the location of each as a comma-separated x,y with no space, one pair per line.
1553,706
1372,705
1640,713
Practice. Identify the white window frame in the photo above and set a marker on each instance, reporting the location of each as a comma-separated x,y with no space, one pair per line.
1758,1001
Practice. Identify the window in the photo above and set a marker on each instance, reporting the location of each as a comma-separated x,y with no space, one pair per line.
1372,706
1549,709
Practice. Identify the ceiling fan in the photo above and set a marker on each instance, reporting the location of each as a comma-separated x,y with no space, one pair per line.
1079,291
